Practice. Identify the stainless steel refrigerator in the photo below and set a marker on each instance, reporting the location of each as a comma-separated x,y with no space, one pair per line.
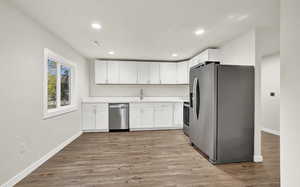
222,112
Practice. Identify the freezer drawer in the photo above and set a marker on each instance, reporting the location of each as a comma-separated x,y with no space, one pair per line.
118,116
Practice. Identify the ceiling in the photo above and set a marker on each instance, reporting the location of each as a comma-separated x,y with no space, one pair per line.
151,29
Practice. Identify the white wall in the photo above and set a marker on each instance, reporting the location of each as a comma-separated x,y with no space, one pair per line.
270,78
134,90
245,50
290,93
24,136
239,51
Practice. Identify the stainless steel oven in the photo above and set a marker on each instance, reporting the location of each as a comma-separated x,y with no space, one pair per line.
186,118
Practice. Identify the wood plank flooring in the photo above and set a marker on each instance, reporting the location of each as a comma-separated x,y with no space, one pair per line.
150,158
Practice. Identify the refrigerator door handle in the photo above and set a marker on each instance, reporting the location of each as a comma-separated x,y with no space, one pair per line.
194,98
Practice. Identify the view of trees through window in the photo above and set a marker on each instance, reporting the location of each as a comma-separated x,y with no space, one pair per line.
52,80
65,85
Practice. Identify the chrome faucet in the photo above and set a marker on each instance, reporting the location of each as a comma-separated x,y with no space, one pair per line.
141,94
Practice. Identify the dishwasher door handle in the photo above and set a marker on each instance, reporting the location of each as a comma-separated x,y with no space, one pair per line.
120,106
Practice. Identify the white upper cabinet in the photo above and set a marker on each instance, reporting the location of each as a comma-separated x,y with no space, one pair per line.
154,73
207,55
143,73
128,72
183,72
113,73
123,72
168,73
101,72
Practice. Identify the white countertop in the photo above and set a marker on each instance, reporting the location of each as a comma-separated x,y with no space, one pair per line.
133,99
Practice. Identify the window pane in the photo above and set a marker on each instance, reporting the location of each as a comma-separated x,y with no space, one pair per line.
65,85
52,79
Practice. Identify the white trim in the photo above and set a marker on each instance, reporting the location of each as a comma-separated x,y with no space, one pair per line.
56,112
73,92
17,178
258,158
155,128
271,131
95,130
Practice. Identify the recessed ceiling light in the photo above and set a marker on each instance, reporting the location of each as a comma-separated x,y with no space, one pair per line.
199,32
96,26
174,55
111,52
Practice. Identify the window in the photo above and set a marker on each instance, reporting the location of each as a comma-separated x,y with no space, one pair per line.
59,89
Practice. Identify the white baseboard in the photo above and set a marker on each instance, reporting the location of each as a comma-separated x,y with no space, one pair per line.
96,130
271,131
258,158
155,128
13,181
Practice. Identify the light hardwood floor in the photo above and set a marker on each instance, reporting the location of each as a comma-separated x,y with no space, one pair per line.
150,158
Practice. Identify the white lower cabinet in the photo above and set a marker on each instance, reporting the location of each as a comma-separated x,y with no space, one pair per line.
163,115
178,115
88,116
142,116
134,116
147,116
95,117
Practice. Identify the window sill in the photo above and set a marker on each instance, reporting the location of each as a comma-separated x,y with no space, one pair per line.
61,111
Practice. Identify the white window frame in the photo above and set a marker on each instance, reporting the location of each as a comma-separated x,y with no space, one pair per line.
59,110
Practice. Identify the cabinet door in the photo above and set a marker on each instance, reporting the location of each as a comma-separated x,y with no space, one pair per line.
143,73
102,117
134,116
168,73
182,73
147,116
88,116
100,72
154,73
113,72
163,115
178,115
128,72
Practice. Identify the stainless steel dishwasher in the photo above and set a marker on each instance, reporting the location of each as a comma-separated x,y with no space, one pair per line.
118,117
